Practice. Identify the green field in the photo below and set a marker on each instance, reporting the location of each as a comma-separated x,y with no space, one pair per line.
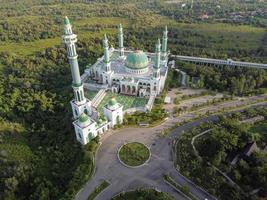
217,39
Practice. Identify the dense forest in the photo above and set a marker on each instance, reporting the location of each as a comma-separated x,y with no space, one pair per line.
236,81
39,158
38,154
225,139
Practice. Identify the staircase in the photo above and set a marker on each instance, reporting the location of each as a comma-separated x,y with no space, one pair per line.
150,102
98,98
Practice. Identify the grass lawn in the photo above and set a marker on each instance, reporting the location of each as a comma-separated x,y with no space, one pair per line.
126,101
147,194
98,190
90,94
134,154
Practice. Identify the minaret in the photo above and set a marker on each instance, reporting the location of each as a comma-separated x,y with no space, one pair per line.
120,37
164,43
106,54
80,103
156,72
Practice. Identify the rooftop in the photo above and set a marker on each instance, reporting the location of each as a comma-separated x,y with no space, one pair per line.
118,65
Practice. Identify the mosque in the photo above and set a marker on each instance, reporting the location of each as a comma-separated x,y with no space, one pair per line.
132,72
121,71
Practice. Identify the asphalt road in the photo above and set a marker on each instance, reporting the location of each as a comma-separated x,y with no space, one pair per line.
123,178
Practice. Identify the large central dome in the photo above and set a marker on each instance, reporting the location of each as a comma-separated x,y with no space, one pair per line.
137,60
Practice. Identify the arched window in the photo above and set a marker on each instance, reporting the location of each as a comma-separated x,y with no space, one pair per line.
81,95
123,88
118,119
128,88
78,95
73,51
133,90
80,135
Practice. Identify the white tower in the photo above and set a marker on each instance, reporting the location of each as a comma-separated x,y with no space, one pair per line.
80,104
114,112
85,129
164,44
106,54
156,70
120,37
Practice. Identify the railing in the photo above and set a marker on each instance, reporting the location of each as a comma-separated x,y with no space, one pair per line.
94,87
228,62
98,98
150,102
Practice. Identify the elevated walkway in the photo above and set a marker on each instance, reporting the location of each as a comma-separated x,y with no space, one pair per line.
228,62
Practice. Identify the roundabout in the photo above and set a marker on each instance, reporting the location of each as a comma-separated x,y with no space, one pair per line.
150,175
134,154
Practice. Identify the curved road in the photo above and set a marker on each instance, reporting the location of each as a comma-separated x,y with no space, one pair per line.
150,175
122,178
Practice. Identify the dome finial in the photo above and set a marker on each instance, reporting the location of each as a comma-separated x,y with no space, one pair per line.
66,20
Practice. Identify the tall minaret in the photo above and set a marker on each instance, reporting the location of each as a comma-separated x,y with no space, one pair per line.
106,54
80,103
164,43
156,72
120,37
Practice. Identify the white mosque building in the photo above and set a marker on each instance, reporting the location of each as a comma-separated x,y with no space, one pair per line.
119,70
132,72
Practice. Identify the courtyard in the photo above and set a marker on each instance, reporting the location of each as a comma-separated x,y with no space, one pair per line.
126,101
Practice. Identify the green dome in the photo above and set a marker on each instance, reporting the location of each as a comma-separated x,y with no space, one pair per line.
137,60
112,102
83,118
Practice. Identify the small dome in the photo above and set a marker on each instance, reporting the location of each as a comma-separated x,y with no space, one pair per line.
83,118
112,102
137,60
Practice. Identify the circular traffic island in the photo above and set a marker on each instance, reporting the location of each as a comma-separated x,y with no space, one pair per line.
133,154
